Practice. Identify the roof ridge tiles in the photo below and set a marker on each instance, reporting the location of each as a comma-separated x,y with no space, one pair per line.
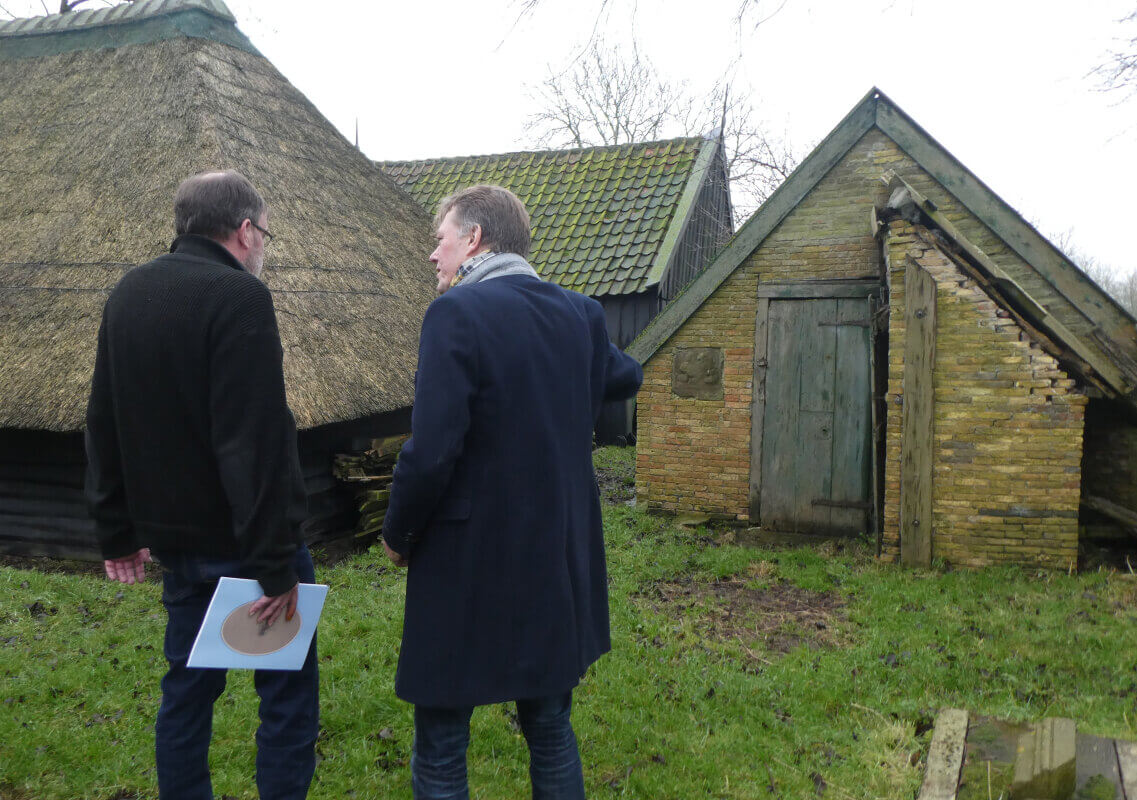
612,148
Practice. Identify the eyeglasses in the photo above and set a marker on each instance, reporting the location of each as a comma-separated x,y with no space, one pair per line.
267,235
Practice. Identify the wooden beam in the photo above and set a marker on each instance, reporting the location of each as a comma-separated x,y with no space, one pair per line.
1114,511
1010,289
916,417
945,757
1082,293
820,289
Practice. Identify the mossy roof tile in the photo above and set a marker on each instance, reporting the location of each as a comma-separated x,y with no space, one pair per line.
599,214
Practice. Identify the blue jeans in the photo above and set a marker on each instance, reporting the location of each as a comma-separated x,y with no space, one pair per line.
289,707
438,760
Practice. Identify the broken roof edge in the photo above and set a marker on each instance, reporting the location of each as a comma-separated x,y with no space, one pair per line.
1055,267
914,208
140,22
685,210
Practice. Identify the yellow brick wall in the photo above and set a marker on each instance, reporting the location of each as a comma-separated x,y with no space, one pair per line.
695,454
1007,426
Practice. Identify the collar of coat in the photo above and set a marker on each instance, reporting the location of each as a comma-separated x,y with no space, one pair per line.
192,244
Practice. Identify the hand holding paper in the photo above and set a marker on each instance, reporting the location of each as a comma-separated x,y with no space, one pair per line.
269,608
233,635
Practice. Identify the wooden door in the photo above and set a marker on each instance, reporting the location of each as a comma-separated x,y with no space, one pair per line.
813,398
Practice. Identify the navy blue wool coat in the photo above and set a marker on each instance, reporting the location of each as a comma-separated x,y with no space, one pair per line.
494,499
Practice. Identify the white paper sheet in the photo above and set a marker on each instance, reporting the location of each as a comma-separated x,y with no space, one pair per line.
230,639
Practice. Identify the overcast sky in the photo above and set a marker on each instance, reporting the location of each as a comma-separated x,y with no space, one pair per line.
1002,84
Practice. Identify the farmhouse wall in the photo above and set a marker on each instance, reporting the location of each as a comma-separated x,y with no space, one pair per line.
1007,425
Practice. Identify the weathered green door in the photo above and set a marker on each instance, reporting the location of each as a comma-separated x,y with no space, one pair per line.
812,462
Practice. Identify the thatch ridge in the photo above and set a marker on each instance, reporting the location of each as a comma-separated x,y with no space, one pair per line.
122,14
93,144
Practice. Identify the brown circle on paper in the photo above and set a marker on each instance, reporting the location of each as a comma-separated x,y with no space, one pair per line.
248,637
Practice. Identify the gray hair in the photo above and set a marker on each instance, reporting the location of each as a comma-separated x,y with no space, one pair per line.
496,210
214,204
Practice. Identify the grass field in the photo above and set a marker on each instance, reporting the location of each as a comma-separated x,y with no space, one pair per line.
735,673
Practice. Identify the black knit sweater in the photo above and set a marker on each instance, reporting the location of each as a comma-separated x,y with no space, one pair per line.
190,442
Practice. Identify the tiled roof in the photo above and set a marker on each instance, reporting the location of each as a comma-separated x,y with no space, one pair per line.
600,216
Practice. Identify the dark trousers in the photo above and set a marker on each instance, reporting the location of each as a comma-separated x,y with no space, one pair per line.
289,701
438,760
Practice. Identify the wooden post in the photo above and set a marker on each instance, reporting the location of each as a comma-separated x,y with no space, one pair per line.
916,418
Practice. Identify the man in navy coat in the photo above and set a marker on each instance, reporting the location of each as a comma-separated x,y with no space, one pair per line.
494,506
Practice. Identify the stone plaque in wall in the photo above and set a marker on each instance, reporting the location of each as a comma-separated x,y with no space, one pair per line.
697,372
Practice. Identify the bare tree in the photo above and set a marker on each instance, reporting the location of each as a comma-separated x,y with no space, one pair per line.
605,99
1120,286
609,98
747,14
1119,71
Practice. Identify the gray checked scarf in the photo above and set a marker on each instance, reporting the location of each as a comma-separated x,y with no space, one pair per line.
485,266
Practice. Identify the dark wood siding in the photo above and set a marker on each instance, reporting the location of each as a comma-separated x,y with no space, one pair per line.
627,315
1109,458
708,228
43,511
333,508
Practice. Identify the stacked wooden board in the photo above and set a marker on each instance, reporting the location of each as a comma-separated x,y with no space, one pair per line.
372,472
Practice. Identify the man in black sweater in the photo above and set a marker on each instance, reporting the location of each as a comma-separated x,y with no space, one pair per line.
192,453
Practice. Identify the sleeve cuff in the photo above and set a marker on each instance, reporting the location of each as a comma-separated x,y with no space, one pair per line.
118,544
278,582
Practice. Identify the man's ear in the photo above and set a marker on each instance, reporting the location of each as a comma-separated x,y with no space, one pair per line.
245,233
476,237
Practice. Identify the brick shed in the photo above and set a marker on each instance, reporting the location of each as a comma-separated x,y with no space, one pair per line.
886,347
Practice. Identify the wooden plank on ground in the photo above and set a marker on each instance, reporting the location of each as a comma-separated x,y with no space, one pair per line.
1096,758
1046,765
916,417
945,758
758,409
1127,763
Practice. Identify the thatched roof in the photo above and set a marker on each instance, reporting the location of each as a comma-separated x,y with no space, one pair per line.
95,136
605,219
